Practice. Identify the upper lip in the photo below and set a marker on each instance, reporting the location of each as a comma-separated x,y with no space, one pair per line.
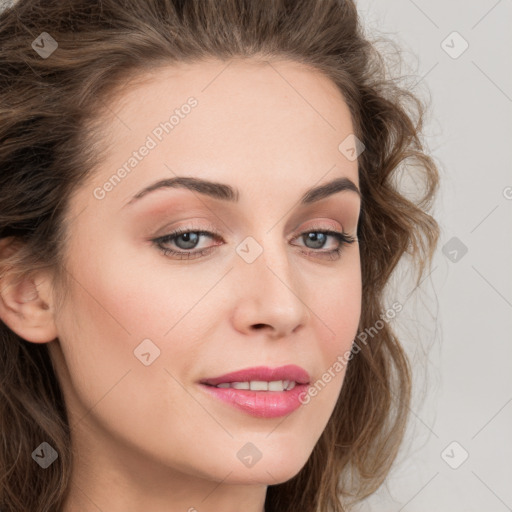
289,372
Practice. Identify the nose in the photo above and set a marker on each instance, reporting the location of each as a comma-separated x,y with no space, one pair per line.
269,295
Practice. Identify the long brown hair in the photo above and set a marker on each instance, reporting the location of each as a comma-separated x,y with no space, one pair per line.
49,145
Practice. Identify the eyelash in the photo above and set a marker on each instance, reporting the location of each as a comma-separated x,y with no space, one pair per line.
343,238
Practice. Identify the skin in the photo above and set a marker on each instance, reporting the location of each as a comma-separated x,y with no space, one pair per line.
148,437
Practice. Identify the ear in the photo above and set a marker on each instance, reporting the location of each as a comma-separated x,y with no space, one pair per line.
26,304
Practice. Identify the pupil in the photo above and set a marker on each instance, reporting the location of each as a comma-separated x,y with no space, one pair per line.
190,240
318,239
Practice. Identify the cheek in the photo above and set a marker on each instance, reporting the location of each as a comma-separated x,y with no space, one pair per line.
338,309
117,300
129,291
104,323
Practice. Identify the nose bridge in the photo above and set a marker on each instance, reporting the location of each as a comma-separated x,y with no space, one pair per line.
265,258
270,291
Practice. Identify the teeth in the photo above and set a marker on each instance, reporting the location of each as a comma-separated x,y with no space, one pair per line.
240,385
276,385
260,385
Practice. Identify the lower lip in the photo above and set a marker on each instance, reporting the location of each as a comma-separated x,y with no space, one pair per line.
263,404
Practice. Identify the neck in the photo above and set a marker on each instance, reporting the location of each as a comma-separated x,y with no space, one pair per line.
115,478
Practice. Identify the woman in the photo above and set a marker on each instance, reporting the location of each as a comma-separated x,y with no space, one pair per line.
199,217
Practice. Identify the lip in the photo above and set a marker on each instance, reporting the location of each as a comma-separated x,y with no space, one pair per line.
262,404
287,372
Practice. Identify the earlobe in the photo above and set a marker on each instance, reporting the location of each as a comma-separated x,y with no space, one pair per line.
26,308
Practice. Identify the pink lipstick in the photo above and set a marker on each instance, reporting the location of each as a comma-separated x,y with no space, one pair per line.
261,391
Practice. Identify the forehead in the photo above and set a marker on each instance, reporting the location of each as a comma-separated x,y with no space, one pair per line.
253,124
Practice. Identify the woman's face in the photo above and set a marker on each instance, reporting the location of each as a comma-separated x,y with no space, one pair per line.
142,329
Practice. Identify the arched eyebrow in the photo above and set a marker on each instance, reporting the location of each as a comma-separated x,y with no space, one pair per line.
226,192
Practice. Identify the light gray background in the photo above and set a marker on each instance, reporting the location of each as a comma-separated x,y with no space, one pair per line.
463,312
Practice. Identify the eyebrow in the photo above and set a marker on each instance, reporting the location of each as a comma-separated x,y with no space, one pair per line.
225,192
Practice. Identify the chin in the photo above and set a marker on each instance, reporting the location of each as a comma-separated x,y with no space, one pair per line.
274,470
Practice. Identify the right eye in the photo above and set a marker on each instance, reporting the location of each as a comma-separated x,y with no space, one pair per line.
185,240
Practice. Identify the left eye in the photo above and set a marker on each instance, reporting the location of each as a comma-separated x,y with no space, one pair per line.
189,240
186,240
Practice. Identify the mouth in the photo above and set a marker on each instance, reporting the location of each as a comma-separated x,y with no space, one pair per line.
259,385
261,391
262,378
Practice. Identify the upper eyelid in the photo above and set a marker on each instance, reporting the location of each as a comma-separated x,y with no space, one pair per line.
213,234
317,225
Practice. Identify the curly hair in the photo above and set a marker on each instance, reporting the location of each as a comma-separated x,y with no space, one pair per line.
49,112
